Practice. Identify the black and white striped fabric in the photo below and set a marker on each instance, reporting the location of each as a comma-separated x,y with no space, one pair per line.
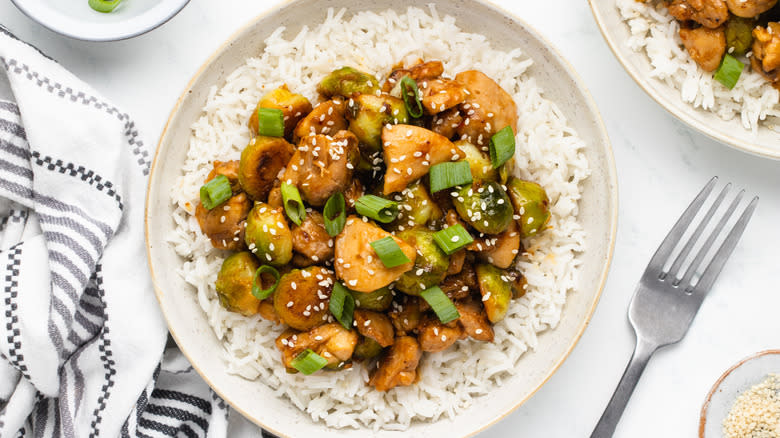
81,337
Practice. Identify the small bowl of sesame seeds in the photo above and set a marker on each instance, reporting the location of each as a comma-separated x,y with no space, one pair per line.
745,401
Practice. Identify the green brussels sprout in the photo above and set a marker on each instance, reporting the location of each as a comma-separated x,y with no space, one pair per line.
369,113
485,206
496,291
267,235
294,107
480,164
378,300
430,266
260,162
532,205
739,35
416,207
234,283
300,300
346,81
367,348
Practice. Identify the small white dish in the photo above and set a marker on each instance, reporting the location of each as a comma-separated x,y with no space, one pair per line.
76,19
742,376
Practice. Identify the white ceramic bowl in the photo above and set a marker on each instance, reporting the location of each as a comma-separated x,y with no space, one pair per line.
765,143
74,18
598,213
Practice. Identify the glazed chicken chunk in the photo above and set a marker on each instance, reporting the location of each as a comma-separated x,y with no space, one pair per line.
766,51
399,365
331,341
708,13
706,46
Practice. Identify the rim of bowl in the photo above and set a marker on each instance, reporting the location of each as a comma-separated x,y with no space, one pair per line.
613,215
681,115
21,6
705,407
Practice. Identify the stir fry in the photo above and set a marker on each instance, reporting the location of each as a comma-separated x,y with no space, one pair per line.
720,34
380,224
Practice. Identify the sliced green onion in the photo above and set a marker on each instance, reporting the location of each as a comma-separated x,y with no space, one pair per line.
389,252
502,146
257,281
342,305
440,304
335,214
446,175
293,204
379,209
308,362
729,71
453,238
215,192
270,122
411,96
104,5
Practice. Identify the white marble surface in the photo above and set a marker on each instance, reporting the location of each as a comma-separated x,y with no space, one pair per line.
661,165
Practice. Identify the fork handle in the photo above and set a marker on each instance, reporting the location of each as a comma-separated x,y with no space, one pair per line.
617,404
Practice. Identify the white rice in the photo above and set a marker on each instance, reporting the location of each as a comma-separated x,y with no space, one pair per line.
656,33
549,152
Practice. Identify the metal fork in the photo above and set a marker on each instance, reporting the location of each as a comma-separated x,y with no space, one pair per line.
666,301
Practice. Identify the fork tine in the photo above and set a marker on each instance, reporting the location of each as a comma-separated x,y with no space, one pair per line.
667,246
697,261
697,233
725,250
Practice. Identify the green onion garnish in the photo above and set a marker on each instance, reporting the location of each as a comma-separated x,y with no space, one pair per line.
502,146
215,192
335,214
257,281
270,122
293,204
342,305
446,175
308,362
104,5
452,238
440,304
729,71
389,252
411,95
379,209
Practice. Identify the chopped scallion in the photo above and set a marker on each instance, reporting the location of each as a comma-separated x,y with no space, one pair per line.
379,209
342,305
502,146
293,204
215,192
335,214
453,238
270,122
308,362
257,282
411,96
729,71
440,304
389,252
446,175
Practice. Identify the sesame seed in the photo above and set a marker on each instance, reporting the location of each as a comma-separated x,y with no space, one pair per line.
289,304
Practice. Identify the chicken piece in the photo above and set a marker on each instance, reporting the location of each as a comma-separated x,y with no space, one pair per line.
374,325
706,46
446,123
487,109
766,49
473,320
398,367
409,153
441,94
224,224
294,107
435,336
460,285
353,193
230,170
266,310
323,165
327,118
275,199
406,316
356,261
331,341
419,72
749,8
499,250
708,13
310,238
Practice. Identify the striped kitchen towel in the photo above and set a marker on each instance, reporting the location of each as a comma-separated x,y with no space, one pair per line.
82,338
